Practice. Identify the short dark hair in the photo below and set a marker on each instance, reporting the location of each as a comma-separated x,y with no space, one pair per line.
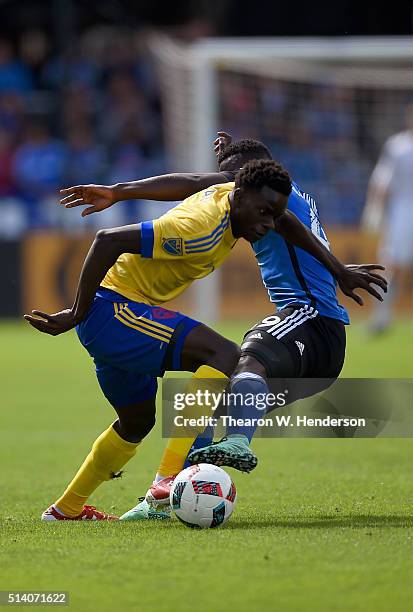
264,172
245,149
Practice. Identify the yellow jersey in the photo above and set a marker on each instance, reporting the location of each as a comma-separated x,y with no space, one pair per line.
185,244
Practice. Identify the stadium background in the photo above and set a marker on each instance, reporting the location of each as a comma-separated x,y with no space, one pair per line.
81,100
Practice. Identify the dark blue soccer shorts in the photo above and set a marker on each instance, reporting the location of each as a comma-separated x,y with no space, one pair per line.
132,344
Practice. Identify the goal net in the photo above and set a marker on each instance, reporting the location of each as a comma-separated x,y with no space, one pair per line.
323,106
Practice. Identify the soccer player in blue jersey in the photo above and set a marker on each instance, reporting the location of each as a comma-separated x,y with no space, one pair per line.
302,287
305,338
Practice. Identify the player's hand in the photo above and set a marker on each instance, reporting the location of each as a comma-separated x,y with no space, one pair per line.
221,142
361,276
53,324
99,196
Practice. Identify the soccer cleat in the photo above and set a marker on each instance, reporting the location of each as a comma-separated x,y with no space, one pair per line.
158,493
231,452
89,513
143,511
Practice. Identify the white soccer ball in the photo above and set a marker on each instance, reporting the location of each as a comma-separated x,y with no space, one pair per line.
203,496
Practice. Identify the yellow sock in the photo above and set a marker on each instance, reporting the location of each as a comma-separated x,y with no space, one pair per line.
109,454
176,450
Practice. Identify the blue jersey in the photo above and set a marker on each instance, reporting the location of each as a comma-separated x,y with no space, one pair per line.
293,276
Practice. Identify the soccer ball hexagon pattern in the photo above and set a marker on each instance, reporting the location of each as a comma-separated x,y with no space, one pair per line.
203,496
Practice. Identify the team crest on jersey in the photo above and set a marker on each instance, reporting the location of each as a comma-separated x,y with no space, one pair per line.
173,246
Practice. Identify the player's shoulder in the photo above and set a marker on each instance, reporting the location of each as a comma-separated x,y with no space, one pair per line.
204,211
210,201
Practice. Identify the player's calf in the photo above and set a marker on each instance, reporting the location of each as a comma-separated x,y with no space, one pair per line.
248,393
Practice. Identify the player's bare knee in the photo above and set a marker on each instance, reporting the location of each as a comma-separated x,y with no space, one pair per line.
135,430
224,357
248,363
204,346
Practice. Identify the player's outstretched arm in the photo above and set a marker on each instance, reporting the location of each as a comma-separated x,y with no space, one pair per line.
348,278
108,245
167,187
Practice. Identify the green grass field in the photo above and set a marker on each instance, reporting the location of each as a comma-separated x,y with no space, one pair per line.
320,525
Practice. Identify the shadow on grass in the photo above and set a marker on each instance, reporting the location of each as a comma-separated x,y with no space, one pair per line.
328,522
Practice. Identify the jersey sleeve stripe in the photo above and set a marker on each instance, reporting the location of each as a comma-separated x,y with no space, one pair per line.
147,239
196,241
191,248
199,248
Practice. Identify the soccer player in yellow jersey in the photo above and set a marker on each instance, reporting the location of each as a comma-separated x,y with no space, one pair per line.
130,271
127,275
99,197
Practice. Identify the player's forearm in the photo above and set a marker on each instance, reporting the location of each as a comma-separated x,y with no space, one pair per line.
295,232
168,187
103,254
98,261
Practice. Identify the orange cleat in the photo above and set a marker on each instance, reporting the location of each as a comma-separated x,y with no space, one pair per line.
89,513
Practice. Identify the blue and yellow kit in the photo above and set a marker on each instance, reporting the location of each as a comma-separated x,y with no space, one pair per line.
130,336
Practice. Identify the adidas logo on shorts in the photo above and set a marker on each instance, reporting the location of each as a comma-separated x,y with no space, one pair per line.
257,336
301,346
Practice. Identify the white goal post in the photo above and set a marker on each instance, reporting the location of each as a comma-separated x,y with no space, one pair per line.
198,80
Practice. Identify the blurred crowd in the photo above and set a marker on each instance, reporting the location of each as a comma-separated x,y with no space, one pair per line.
327,136
92,113
89,114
